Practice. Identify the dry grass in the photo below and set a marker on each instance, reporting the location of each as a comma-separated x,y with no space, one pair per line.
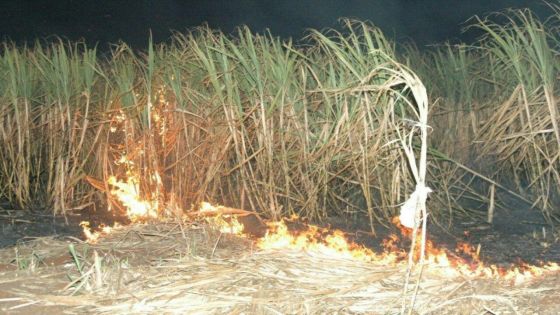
336,127
255,122
496,110
177,268
47,126
250,121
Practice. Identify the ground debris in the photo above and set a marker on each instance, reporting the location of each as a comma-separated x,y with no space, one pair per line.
171,267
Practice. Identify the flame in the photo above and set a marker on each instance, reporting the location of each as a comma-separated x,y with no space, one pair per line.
223,222
463,262
128,193
93,236
332,243
438,260
226,224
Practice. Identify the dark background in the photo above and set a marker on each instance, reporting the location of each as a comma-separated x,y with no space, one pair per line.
108,21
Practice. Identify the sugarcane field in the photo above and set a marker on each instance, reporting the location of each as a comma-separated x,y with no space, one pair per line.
341,172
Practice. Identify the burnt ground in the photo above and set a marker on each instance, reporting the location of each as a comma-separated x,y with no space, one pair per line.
23,225
19,226
501,244
517,233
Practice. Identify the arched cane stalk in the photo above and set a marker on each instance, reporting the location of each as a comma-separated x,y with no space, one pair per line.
413,212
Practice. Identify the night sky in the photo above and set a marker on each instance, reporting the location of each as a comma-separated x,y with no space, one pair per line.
108,21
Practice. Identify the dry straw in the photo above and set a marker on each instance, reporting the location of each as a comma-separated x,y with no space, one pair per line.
250,121
176,268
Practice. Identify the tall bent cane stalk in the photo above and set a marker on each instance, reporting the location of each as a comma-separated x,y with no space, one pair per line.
401,76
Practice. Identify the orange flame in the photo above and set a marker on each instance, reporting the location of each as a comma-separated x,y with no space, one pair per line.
439,261
278,237
332,243
128,193
93,236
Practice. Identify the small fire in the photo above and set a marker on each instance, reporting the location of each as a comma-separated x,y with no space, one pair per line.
334,243
316,239
92,236
455,266
439,260
128,193
224,222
